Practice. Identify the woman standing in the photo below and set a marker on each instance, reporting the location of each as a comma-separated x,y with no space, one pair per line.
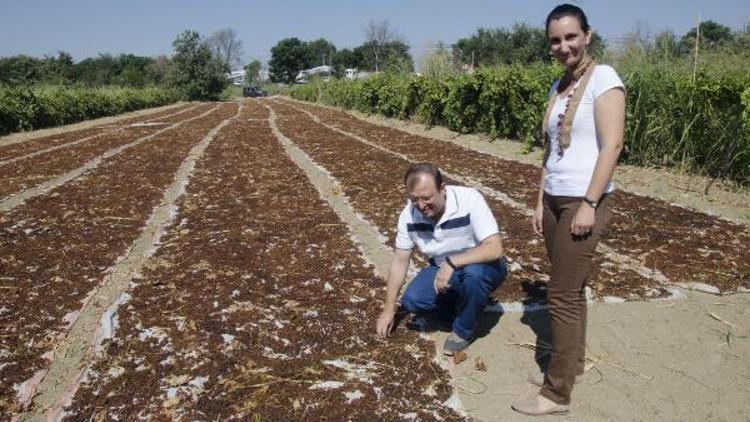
583,126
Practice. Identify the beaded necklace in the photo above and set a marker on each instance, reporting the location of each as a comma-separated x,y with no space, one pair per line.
579,78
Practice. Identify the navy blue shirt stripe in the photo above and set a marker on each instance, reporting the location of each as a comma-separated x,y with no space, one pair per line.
420,227
456,222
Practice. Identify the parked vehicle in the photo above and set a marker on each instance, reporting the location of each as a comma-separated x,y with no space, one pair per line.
253,91
354,74
303,75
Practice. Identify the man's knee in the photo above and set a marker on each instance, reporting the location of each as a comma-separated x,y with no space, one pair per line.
412,301
486,271
484,276
409,301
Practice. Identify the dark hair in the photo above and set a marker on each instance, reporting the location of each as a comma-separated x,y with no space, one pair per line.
564,10
422,168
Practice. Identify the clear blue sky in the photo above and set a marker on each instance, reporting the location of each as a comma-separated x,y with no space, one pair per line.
86,28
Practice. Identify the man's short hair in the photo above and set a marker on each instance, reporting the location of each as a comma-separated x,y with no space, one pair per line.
414,170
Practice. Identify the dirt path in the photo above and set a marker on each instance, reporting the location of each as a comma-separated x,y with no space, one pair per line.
652,361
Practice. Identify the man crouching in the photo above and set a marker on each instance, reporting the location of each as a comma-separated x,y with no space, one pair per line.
454,227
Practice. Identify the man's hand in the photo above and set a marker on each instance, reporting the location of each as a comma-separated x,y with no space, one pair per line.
583,221
385,323
443,277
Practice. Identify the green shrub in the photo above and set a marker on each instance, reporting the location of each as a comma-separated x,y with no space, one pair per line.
41,107
698,123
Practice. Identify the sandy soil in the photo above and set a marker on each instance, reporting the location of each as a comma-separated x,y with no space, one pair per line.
677,362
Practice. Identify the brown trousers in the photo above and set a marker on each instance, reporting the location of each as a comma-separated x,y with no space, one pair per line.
566,295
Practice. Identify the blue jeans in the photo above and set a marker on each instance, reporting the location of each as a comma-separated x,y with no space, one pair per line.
467,296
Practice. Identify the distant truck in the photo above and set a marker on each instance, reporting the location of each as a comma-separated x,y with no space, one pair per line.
253,92
353,74
304,75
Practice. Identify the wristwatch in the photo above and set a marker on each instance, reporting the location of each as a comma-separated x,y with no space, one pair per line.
591,202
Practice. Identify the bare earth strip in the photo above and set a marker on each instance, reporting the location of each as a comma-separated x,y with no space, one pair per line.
10,155
668,238
61,245
73,354
367,237
256,306
12,201
647,362
76,129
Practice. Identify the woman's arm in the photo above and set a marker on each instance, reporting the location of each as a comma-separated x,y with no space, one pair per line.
536,220
609,118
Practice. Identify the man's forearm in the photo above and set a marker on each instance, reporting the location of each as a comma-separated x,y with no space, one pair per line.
396,276
489,250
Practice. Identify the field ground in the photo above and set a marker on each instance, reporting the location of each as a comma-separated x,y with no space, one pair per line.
222,260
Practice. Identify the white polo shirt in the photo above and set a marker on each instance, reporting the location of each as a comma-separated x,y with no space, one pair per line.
466,222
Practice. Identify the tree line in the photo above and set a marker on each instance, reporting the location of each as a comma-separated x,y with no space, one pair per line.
199,64
197,68
382,50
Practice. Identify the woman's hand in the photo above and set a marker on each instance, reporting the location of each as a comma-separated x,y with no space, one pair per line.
537,219
583,221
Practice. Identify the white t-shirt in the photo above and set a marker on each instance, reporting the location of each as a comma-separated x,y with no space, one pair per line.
466,222
570,175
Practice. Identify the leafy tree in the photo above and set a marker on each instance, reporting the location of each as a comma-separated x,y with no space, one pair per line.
598,46
251,71
20,69
59,69
378,37
438,63
393,57
344,59
159,68
521,44
318,50
196,71
712,35
288,57
666,45
226,47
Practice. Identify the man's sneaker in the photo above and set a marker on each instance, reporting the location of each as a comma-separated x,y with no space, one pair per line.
454,344
426,323
537,379
538,405
418,323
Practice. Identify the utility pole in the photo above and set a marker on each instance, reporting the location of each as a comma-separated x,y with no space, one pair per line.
697,44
